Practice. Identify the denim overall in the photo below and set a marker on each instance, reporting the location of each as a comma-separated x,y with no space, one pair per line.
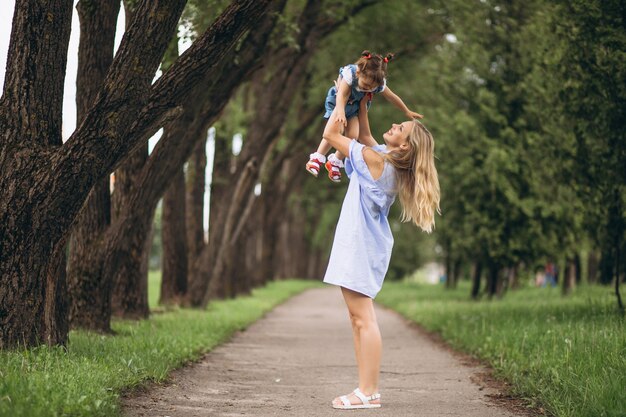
352,105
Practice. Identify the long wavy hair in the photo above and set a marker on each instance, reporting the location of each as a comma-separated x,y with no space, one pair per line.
417,180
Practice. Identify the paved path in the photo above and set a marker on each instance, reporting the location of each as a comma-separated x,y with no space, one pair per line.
296,359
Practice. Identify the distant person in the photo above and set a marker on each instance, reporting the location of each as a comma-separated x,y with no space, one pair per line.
361,250
366,77
540,277
550,275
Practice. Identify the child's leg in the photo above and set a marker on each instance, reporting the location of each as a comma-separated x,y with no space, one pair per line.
324,147
318,158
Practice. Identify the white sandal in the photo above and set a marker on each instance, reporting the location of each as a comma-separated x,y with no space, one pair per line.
347,405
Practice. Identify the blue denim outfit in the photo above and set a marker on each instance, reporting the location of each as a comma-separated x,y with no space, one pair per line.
352,105
361,250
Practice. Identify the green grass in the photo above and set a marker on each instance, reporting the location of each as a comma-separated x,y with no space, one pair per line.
88,377
567,354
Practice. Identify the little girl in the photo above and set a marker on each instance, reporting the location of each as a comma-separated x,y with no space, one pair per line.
364,78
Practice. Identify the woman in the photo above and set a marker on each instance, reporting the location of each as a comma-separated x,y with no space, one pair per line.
359,259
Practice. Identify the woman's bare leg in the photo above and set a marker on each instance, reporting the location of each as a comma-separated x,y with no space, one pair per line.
367,343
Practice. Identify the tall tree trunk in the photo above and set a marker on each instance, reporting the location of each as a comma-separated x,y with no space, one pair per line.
194,212
492,280
448,267
174,274
569,277
89,293
220,186
592,267
513,277
578,268
456,272
30,126
478,270
501,283
127,285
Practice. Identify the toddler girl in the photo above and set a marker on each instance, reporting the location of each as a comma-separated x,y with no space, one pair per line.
362,79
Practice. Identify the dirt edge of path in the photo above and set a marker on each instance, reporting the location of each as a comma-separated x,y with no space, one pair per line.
484,379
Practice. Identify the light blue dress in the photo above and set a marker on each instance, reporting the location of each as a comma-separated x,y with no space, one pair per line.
362,246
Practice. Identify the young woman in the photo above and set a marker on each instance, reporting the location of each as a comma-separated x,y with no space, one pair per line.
359,259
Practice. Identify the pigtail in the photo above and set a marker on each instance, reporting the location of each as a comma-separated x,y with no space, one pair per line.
388,57
366,54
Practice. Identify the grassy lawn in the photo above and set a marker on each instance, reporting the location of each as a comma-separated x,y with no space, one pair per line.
88,377
567,354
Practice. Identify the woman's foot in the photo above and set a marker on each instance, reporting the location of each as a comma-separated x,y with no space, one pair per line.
372,400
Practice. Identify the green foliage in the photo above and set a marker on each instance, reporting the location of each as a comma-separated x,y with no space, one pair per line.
87,378
567,355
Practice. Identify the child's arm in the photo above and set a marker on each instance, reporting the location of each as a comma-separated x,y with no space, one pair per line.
343,92
391,97
365,135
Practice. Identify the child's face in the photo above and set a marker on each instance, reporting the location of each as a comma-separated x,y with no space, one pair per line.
365,83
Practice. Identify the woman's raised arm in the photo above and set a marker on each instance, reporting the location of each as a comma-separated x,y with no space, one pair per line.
365,135
332,135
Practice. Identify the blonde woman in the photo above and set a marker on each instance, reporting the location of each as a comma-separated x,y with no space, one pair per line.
359,259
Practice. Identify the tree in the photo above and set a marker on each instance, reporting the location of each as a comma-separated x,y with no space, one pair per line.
42,186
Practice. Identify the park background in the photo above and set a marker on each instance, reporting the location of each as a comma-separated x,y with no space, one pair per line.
525,100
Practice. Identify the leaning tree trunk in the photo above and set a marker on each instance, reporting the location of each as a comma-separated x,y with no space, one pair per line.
30,127
275,91
89,294
131,279
194,210
174,274
182,134
42,187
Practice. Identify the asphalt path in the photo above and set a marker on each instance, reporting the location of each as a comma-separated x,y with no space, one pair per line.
300,356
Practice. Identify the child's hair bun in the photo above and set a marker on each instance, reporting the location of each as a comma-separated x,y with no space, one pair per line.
389,57
366,53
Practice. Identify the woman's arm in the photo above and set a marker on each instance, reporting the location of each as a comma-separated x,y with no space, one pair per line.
365,135
375,162
334,137
393,98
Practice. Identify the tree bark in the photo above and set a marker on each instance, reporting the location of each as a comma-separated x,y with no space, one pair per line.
30,127
569,277
478,269
492,280
174,276
592,267
88,292
194,212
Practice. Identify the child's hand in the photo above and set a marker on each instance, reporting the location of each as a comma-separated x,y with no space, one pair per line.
341,117
414,115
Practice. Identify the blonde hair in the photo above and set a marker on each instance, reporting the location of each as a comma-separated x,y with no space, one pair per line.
417,180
